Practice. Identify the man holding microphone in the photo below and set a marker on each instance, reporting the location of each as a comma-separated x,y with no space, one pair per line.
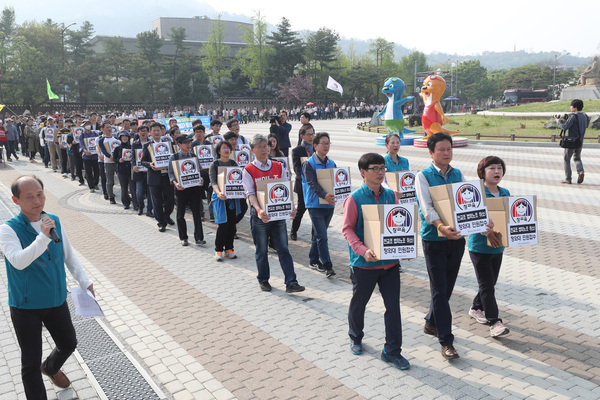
37,290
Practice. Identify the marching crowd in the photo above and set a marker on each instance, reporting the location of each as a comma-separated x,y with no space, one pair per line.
94,149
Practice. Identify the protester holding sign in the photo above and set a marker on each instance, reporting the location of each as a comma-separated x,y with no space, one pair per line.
366,270
122,156
262,228
139,175
87,145
320,214
224,210
299,154
488,259
187,194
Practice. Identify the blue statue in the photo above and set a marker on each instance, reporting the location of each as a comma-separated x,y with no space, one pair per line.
393,88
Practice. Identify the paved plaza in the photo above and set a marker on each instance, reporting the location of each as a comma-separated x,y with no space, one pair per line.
180,325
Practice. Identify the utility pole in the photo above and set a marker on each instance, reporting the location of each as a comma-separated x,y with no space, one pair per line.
62,40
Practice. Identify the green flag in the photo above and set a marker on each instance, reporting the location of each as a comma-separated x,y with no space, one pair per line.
51,95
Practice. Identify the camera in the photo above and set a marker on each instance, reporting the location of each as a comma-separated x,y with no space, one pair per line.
561,116
275,118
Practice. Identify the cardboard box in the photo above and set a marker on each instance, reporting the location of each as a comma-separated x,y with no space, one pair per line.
390,230
403,182
126,155
336,181
462,205
187,172
205,155
90,144
230,182
160,153
517,225
110,144
242,157
285,162
276,197
138,160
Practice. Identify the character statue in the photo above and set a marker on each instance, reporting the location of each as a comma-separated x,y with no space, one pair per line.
433,88
393,88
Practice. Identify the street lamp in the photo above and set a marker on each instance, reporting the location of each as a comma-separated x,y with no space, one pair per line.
556,57
62,40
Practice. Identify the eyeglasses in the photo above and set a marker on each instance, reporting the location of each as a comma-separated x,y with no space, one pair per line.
378,169
325,143
308,134
263,147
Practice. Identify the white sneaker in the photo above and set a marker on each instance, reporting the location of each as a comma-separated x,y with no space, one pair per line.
498,329
219,256
478,315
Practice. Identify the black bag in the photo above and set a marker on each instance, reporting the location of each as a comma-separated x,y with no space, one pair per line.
570,142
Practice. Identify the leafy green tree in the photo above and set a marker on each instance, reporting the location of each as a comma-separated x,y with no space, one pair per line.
214,57
288,52
253,60
382,52
150,44
472,81
321,53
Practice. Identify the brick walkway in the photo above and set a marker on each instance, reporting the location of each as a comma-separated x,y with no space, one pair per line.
202,329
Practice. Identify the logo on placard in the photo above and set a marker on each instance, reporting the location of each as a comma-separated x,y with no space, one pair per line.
521,211
408,181
205,152
114,145
216,140
161,148
242,157
279,193
341,178
468,196
188,167
245,147
398,220
235,176
92,141
50,131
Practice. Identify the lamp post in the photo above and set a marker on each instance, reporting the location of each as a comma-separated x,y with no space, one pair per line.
62,41
556,57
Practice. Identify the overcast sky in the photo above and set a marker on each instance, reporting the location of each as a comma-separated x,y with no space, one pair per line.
469,27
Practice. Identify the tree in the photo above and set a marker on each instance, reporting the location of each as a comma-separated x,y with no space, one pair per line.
215,57
287,52
253,60
150,44
472,81
7,32
406,70
296,90
322,51
383,53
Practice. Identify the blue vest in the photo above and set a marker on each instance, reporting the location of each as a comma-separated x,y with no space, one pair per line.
363,195
428,231
311,200
391,166
43,283
477,241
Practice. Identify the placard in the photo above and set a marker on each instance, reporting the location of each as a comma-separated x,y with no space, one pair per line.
115,131
522,225
126,155
336,181
90,144
215,140
390,230
49,134
204,152
242,158
160,153
470,211
278,203
63,140
186,172
138,160
77,132
403,182
285,163
230,182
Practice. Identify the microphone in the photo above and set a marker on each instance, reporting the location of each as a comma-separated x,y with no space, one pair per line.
53,233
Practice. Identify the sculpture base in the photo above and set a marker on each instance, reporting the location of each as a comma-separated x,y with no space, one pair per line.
407,140
581,93
456,142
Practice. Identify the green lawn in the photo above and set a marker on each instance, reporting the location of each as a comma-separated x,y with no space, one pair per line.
558,106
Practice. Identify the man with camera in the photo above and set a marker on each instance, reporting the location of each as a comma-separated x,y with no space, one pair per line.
282,128
575,124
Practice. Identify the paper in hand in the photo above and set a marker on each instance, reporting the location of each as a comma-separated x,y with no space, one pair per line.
86,305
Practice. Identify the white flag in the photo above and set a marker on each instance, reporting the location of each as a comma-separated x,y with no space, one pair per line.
333,85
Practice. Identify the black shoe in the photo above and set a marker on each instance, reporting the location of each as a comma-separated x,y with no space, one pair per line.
236,236
72,178
200,242
184,242
17,158
8,159
294,236
112,201
315,265
329,272
96,187
135,208
140,211
105,197
264,286
81,183
294,288
162,228
150,214
320,267
170,221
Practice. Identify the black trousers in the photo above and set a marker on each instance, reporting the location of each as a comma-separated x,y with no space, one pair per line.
92,172
487,269
226,231
124,181
300,210
78,164
189,196
28,328
163,200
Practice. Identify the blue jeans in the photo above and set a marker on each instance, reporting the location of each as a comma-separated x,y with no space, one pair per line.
319,248
443,262
140,187
363,284
277,230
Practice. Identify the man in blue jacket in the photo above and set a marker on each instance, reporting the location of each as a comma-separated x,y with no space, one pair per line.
37,290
